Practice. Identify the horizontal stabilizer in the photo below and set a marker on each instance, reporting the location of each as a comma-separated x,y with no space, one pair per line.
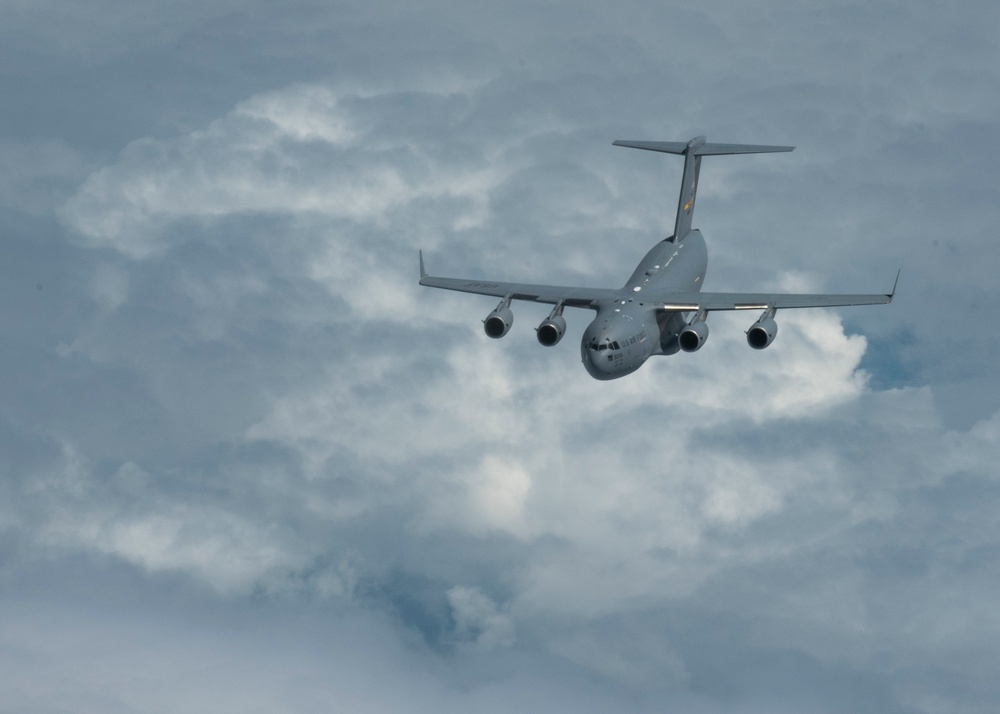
693,151
681,147
721,149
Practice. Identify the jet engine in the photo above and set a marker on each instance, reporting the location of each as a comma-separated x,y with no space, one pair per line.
552,328
762,332
693,336
497,323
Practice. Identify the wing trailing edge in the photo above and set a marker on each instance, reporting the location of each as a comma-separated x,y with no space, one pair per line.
685,302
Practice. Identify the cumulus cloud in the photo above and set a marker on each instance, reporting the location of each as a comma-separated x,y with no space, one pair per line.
666,488
252,397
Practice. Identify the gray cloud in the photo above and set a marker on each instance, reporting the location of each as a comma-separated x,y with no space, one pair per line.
238,429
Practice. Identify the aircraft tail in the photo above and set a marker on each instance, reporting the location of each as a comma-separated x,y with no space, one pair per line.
693,151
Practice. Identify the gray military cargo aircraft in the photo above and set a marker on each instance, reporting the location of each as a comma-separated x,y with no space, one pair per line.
649,314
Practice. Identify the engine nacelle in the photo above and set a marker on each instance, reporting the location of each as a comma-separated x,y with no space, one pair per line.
551,330
497,323
693,336
762,333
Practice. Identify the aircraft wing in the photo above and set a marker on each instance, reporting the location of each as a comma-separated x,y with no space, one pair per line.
670,301
761,301
549,294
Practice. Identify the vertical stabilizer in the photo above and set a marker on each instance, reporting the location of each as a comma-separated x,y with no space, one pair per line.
689,187
692,152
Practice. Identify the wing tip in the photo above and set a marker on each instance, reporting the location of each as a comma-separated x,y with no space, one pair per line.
892,293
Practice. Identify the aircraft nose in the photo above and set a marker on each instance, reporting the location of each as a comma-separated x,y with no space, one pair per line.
597,364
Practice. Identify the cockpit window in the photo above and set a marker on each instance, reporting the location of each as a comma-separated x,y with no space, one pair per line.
602,346
597,346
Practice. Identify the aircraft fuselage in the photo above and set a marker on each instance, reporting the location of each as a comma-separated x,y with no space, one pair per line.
629,331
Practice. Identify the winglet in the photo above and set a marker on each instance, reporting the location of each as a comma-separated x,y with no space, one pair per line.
423,273
892,294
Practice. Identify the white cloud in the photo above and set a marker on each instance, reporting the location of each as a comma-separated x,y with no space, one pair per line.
291,151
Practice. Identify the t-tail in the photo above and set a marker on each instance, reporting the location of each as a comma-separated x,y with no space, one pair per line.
692,152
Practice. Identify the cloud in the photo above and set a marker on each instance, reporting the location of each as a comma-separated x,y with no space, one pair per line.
478,619
637,489
258,159
239,397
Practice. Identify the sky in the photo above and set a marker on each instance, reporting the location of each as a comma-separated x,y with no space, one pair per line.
247,464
